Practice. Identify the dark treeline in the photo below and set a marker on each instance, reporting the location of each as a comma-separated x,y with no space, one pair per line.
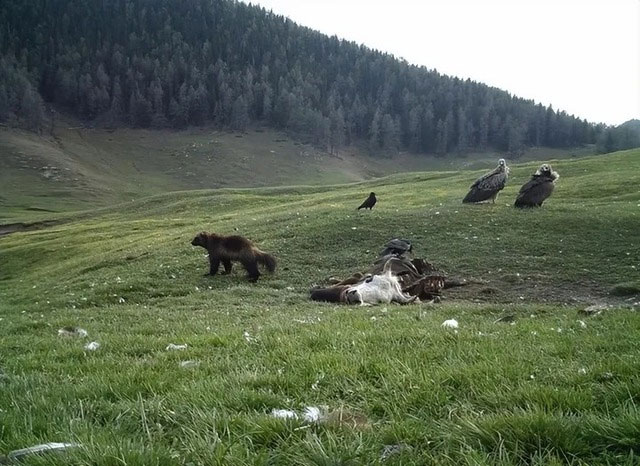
157,63
625,136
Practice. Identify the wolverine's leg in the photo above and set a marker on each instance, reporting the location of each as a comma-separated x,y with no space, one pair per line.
252,270
214,263
227,266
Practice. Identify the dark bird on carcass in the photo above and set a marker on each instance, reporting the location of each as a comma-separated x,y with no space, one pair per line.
535,191
397,247
488,185
369,202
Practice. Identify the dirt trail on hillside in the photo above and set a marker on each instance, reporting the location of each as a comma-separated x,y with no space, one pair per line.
9,228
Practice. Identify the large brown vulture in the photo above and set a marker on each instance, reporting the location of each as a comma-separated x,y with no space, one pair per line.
489,185
535,191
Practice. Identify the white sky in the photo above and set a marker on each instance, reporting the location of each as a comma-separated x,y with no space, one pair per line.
581,56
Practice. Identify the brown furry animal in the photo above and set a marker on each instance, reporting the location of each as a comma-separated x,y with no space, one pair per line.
234,248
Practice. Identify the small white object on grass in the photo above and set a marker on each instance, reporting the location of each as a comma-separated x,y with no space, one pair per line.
582,323
284,414
72,332
189,364
582,371
18,455
94,345
450,323
248,337
390,450
173,347
313,414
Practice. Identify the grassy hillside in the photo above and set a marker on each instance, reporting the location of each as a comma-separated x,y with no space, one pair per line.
81,169
546,390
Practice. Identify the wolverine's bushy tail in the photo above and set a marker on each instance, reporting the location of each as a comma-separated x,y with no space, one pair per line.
267,260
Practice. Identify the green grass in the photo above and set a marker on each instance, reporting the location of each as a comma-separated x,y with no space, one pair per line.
546,390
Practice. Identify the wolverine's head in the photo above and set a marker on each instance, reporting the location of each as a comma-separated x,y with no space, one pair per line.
200,240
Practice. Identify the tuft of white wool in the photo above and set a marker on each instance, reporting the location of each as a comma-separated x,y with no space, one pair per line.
284,414
94,345
450,323
312,414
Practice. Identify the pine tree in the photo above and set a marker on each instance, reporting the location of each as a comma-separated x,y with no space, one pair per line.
239,114
390,133
31,108
337,130
116,107
463,132
375,132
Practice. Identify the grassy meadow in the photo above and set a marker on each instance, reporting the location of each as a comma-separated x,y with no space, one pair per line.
552,387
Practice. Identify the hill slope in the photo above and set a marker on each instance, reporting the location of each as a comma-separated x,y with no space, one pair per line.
540,391
80,168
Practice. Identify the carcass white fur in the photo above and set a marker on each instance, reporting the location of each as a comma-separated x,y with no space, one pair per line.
383,288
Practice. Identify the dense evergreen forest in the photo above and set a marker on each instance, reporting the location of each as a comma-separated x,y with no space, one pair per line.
159,63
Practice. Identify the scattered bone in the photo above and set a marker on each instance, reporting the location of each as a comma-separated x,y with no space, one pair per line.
72,332
189,364
173,347
51,447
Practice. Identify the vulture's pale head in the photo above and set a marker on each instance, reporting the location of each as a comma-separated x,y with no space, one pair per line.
545,170
502,166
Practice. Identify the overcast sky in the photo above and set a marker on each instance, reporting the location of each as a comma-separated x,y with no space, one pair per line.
581,56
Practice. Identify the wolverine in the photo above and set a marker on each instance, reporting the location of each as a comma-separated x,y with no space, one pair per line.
234,248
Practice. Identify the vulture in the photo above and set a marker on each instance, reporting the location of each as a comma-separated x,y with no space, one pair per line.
369,202
396,247
489,185
535,191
